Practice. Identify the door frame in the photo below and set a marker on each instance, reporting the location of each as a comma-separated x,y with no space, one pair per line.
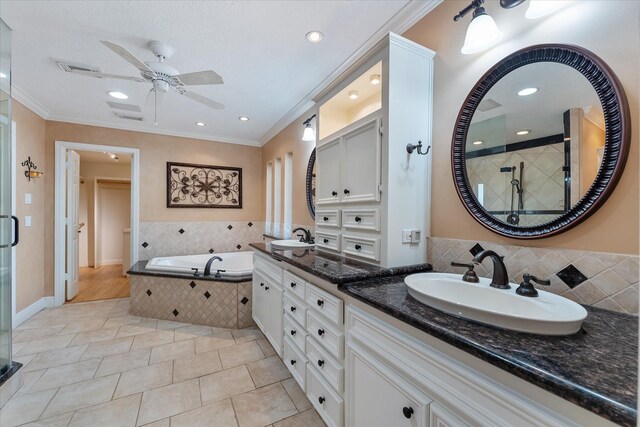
60,202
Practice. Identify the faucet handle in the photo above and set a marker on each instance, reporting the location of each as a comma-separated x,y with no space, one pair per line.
462,264
527,277
526,288
469,275
218,272
195,273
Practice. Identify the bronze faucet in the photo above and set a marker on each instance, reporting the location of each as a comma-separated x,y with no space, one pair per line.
500,278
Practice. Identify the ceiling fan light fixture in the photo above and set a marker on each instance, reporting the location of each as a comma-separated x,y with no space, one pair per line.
117,95
482,33
314,36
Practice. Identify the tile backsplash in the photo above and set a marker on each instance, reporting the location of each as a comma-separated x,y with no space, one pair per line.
190,238
601,279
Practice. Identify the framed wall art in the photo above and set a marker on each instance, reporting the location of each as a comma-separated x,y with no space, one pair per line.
203,186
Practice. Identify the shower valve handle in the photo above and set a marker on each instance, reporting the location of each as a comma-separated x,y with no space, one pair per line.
195,272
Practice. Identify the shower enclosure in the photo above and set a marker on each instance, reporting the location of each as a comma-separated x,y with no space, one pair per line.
7,223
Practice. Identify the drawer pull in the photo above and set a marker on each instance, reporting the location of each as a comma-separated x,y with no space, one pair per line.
334,193
320,362
292,361
346,191
292,309
407,411
320,303
325,219
320,332
293,332
293,284
321,400
266,288
325,241
357,219
358,247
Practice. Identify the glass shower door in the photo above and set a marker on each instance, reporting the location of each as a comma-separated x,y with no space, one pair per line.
6,222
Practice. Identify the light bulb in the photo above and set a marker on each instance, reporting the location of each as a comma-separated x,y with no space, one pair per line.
353,94
309,134
482,33
375,79
539,8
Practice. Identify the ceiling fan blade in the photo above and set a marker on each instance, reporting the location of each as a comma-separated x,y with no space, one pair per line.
126,55
203,100
109,76
207,77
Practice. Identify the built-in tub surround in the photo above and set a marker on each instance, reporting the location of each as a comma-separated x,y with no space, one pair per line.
211,301
604,280
162,239
225,265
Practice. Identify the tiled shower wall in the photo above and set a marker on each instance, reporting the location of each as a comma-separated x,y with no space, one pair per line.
605,280
192,238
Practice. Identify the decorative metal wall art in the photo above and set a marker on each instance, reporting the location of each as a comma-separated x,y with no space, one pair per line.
201,186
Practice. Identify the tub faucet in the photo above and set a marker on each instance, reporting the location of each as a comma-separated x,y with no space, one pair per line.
306,237
500,278
207,268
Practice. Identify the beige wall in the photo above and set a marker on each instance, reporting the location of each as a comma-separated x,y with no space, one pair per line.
609,29
30,278
290,140
591,138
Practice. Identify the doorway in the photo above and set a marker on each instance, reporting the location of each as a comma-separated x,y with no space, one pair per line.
96,221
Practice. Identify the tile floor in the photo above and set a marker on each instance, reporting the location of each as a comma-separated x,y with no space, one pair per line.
93,364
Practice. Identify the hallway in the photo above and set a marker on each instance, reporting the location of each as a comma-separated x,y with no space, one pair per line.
102,283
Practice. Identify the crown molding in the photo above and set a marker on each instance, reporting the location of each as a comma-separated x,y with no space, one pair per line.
28,101
404,19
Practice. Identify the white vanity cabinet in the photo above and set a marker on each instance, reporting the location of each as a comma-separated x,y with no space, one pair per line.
267,304
328,182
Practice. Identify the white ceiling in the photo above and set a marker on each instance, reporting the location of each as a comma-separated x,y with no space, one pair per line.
270,70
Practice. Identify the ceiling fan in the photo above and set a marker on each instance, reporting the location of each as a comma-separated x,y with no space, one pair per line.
163,77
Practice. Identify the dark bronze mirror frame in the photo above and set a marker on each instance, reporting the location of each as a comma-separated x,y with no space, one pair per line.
310,205
616,147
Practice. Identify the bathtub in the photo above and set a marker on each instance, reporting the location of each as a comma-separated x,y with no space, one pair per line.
235,264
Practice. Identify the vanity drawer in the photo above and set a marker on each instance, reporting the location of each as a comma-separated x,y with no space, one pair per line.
361,219
329,368
295,362
327,304
328,217
296,308
362,247
327,402
326,334
328,240
295,332
267,267
293,284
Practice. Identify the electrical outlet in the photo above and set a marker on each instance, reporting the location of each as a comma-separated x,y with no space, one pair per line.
406,235
27,198
415,236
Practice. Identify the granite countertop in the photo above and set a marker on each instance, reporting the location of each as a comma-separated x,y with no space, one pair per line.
596,368
138,269
333,268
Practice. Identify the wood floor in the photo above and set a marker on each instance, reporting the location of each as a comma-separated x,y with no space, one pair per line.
105,282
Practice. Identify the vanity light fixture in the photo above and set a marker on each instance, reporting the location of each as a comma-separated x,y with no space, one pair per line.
375,79
527,91
314,36
243,118
540,8
353,94
309,134
200,123
477,142
117,95
523,132
482,33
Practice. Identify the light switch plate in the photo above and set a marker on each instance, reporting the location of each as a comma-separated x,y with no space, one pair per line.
415,236
406,235
27,221
27,198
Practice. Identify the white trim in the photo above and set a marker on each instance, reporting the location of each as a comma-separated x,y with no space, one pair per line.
27,313
59,229
28,101
110,262
404,19
14,181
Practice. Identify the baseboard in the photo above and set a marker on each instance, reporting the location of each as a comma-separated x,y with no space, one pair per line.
25,314
110,262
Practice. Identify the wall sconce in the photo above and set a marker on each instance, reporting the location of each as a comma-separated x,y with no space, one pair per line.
309,134
412,147
31,169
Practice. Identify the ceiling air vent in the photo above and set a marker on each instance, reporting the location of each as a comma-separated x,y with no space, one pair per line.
488,104
71,67
129,117
122,106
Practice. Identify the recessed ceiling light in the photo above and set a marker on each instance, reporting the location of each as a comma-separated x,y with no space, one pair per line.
528,91
200,123
375,79
314,36
117,95
3,76
243,118
353,94
523,132
477,142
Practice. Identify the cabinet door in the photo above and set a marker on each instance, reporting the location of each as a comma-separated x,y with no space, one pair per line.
361,163
258,303
442,417
273,314
328,172
377,396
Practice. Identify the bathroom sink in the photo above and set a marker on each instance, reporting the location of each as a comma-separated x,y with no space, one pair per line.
547,314
289,244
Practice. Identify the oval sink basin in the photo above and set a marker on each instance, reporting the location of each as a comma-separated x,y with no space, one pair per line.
547,314
289,244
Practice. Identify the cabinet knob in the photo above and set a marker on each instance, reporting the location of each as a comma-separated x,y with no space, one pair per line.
292,361
321,400
293,284
325,219
407,411
346,191
325,241
293,332
261,284
320,362
358,247
266,288
320,332
292,309
357,219
334,193
320,303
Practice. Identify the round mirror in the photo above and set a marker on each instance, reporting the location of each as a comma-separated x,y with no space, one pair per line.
311,184
541,141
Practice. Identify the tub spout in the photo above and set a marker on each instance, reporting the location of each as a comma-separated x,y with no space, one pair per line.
207,268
